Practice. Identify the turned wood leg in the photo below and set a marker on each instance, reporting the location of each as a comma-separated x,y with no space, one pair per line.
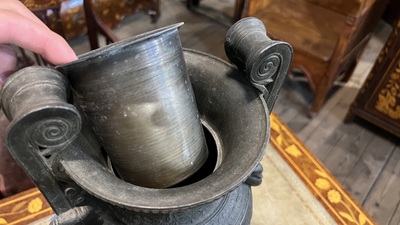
155,12
91,25
238,10
320,96
350,116
154,18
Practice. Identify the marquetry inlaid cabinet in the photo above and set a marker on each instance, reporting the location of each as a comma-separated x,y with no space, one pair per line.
379,98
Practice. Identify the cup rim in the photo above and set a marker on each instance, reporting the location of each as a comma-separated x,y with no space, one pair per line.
116,46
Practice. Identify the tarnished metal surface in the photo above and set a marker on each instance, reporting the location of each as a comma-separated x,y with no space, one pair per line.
139,100
236,116
264,60
34,99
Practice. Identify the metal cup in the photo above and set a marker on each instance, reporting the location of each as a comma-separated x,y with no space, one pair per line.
139,100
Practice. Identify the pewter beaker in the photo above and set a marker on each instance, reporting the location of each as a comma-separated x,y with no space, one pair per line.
139,100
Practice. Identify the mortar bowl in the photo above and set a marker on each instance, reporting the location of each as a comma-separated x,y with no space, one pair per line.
235,114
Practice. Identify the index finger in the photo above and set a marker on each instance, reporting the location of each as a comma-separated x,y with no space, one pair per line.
21,31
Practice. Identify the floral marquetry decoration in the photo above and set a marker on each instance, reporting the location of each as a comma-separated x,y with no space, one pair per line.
35,205
322,184
389,96
378,100
334,196
24,208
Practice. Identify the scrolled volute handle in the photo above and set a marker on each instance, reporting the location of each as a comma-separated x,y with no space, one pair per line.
41,94
265,61
43,123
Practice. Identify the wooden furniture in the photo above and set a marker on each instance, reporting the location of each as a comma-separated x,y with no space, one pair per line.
379,98
327,35
238,8
100,25
67,17
391,11
104,15
95,26
48,11
70,19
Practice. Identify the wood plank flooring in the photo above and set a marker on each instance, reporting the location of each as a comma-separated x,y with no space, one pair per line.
362,157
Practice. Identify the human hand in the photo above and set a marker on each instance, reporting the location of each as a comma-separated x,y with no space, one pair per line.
19,26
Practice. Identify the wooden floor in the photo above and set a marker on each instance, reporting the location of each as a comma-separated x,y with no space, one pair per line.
362,157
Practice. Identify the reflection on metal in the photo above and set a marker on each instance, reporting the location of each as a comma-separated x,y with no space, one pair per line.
139,100
59,136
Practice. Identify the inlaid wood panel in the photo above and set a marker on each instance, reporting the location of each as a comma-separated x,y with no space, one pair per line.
379,99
